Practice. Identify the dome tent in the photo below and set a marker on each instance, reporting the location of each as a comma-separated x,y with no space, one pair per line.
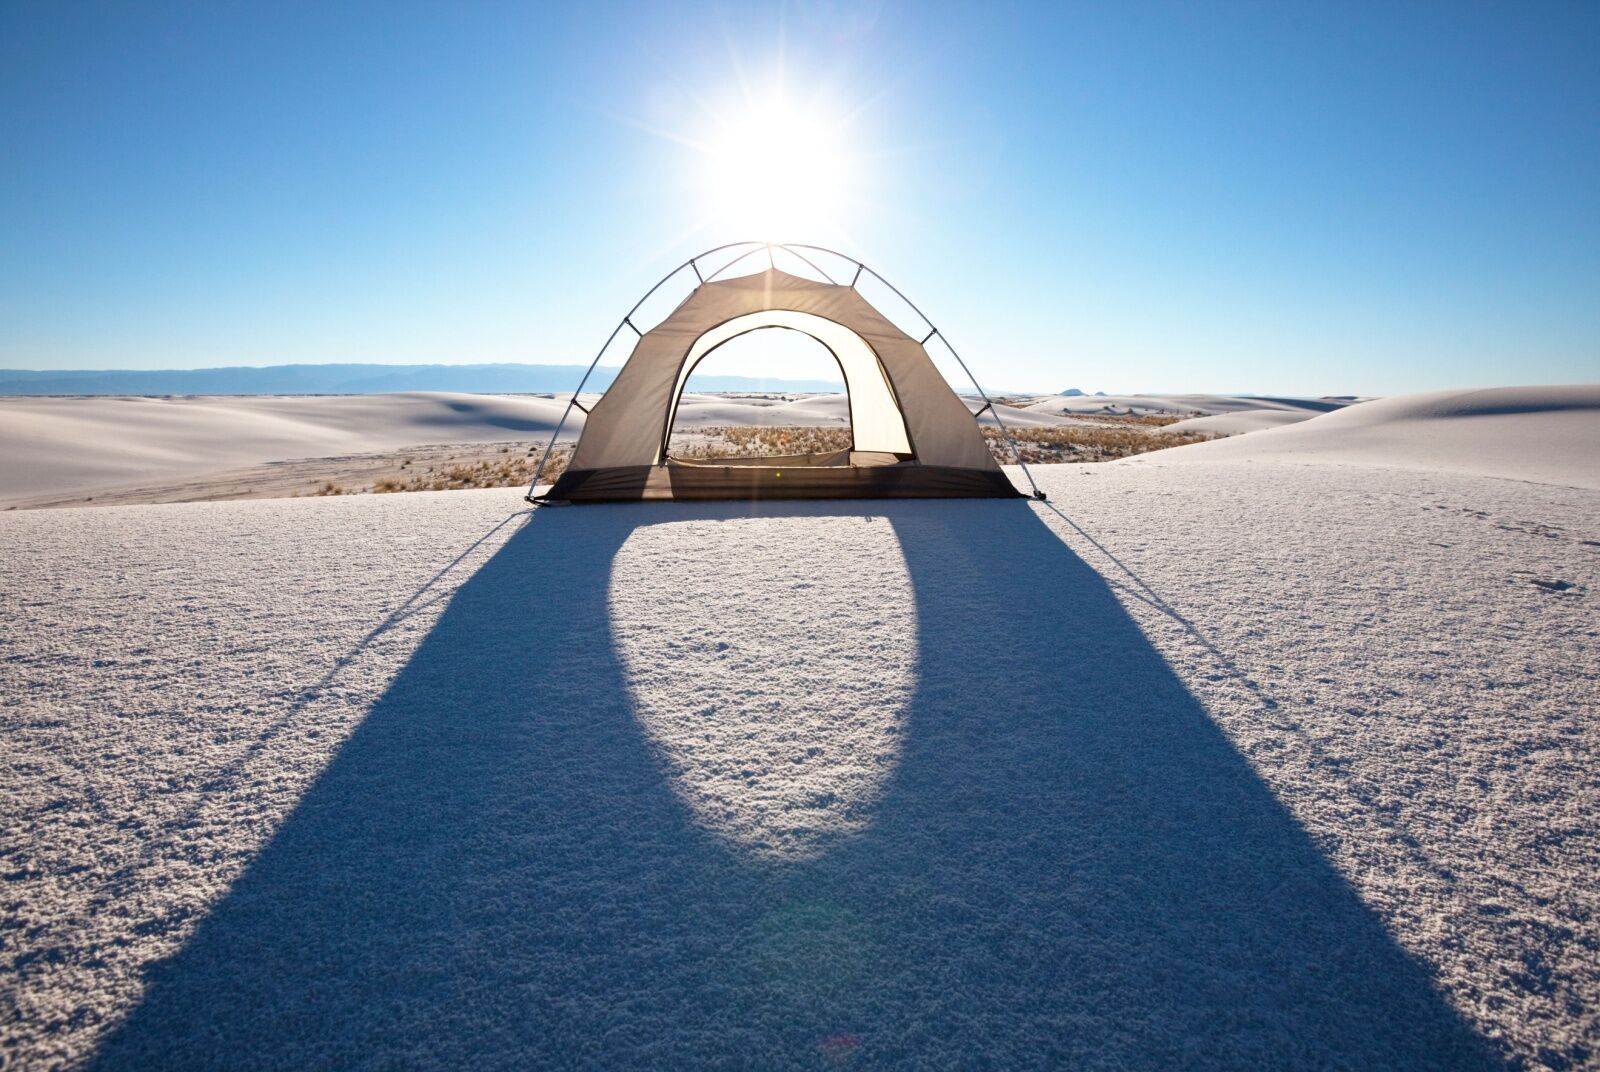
912,437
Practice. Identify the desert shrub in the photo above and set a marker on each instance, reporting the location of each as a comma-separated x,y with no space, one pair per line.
1075,443
1097,440
765,442
494,472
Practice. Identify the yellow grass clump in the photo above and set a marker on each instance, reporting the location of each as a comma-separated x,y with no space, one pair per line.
499,472
1091,439
740,442
1101,439
1071,443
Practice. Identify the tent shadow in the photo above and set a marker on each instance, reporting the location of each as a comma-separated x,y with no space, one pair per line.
1071,865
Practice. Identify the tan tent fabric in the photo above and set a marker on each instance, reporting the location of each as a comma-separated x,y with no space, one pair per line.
901,408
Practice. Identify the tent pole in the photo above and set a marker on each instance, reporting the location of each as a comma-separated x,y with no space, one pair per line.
747,253
813,265
628,320
989,402
994,411
573,401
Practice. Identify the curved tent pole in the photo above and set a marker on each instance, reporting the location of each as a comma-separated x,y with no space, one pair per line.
747,253
789,250
626,320
793,249
988,403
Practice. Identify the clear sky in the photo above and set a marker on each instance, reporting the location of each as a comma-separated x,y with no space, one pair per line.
1274,197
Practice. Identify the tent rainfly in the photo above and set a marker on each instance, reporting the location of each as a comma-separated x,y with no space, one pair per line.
912,437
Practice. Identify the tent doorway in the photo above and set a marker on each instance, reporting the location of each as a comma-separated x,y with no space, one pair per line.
773,391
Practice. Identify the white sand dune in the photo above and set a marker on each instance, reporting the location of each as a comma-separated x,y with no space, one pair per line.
1215,764
707,410
1545,434
62,447
58,445
1239,422
1016,417
1181,405
236,736
1229,762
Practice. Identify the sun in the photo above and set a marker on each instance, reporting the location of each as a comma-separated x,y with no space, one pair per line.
774,170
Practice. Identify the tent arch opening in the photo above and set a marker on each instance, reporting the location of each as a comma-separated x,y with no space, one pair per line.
876,422
734,357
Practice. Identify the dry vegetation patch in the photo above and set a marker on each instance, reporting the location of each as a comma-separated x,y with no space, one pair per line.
1097,439
1071,443
1093,438
734,441
509,470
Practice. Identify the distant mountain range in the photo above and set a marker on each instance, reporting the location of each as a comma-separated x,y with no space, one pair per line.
353,380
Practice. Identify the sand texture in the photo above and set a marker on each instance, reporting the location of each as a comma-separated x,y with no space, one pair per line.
1210,763
1547,434
55,447
58,451
1192,405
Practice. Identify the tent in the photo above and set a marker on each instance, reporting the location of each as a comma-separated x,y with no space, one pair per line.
912,437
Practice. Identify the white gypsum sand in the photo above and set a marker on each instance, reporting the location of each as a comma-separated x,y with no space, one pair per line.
1219,762
1239,422
822,410
1548,434
1189,405
54,446
120,450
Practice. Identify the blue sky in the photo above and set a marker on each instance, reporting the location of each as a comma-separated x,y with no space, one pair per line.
1275,197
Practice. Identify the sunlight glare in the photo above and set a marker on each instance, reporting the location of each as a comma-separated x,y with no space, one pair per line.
775,171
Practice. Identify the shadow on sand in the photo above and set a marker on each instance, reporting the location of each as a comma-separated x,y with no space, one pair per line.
1070,867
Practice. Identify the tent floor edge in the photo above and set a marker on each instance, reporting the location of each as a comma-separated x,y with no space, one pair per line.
711,483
